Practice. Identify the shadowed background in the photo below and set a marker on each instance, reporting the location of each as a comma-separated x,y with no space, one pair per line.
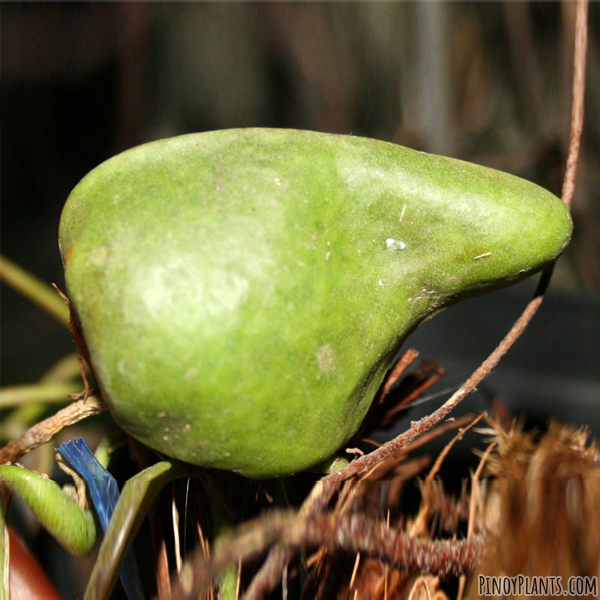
485,82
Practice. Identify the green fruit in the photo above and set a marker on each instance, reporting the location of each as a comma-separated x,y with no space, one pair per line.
243,292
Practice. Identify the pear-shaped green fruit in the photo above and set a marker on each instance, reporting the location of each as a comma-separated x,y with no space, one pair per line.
243,292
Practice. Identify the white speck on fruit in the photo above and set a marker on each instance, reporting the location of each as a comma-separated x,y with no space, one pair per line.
162,414
394,244
327,255
187,427
190,373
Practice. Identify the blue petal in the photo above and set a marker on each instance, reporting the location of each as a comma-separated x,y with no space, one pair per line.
104,492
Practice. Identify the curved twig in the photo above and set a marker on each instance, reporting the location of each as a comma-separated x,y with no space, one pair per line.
577,108
45,430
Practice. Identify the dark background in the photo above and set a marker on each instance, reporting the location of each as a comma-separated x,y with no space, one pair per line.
487,82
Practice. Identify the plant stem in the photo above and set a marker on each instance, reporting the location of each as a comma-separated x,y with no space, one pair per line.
33,288
18,395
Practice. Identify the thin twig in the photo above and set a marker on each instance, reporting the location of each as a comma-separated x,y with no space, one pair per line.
238,581
416,393
44,431
577,108
474,487
472,507
406,359
446,450
419,524
76,330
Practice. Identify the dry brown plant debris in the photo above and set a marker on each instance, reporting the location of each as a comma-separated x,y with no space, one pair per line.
542,512
539,505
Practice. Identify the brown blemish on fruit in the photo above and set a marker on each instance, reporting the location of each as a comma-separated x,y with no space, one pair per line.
68,255
326,359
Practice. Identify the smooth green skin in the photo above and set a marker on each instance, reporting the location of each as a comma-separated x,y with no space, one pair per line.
238,298
74,528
